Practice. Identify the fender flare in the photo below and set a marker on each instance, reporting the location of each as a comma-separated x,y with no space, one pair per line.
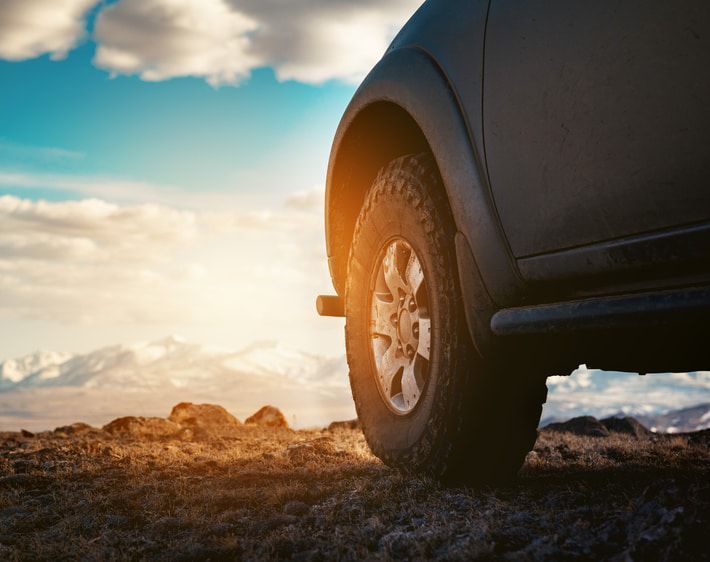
412,80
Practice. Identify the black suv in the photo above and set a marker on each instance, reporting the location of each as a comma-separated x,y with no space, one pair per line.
518,187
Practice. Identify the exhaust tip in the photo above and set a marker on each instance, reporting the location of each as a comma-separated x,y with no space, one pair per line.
330,305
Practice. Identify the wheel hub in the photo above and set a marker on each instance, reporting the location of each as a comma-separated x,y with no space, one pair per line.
405,327
400,327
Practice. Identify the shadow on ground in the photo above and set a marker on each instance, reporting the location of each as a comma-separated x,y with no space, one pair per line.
148,489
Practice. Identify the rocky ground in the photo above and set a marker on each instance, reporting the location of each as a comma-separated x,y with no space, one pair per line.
202,485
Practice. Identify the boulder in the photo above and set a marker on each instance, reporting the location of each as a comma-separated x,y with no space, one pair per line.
626,425
584,425
348,424
267,416
209,418
143,428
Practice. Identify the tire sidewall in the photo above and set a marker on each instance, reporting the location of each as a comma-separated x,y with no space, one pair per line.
398,438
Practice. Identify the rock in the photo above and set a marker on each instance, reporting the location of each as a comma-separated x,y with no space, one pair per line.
26,433
348,424
144,428
75,428
627,425
267,416
583,425
295,508
203,419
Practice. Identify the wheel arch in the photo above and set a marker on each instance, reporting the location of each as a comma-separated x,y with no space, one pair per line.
407,105
380,132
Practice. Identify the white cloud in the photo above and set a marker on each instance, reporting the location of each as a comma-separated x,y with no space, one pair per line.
605,393
121,190
223,40
81,260
307,199
317,40
29,28
95,265
128,191
160,39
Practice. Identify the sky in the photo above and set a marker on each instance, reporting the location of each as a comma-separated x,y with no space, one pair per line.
162,169
162,166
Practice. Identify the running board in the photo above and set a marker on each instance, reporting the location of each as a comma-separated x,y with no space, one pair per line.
602,313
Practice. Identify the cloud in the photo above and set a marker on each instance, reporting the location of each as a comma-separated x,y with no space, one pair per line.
317,40
115,189
223,40
160,39
307,199
29,28
93,263
605,393
79,261
109,225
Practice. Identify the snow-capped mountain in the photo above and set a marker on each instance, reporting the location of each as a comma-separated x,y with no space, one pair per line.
14,371
171,362
608,393
695,418
43,390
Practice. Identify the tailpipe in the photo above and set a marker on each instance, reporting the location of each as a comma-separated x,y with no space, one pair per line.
330,305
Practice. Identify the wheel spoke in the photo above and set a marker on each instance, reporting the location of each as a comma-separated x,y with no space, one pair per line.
390,364
396,328
414,273
410,388
382,317
393,278
424,337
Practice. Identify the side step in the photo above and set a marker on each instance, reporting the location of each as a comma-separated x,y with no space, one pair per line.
330,305
678,306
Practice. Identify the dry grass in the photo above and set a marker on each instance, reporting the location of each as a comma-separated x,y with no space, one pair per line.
319,495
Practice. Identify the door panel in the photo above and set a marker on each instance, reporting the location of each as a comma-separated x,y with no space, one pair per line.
596,118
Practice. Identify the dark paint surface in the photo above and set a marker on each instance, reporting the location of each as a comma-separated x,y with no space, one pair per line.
596,118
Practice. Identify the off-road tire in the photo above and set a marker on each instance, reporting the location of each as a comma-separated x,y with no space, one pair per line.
475,421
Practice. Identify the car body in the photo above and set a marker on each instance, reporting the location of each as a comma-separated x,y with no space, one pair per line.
573,143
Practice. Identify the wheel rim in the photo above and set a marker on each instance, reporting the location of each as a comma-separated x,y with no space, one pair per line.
400,327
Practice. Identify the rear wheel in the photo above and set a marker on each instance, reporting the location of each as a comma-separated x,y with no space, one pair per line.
426,401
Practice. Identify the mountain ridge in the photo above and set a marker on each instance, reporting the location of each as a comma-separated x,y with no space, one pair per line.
45,387
171,360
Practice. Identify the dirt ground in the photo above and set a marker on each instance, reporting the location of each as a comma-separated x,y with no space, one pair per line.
258,493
